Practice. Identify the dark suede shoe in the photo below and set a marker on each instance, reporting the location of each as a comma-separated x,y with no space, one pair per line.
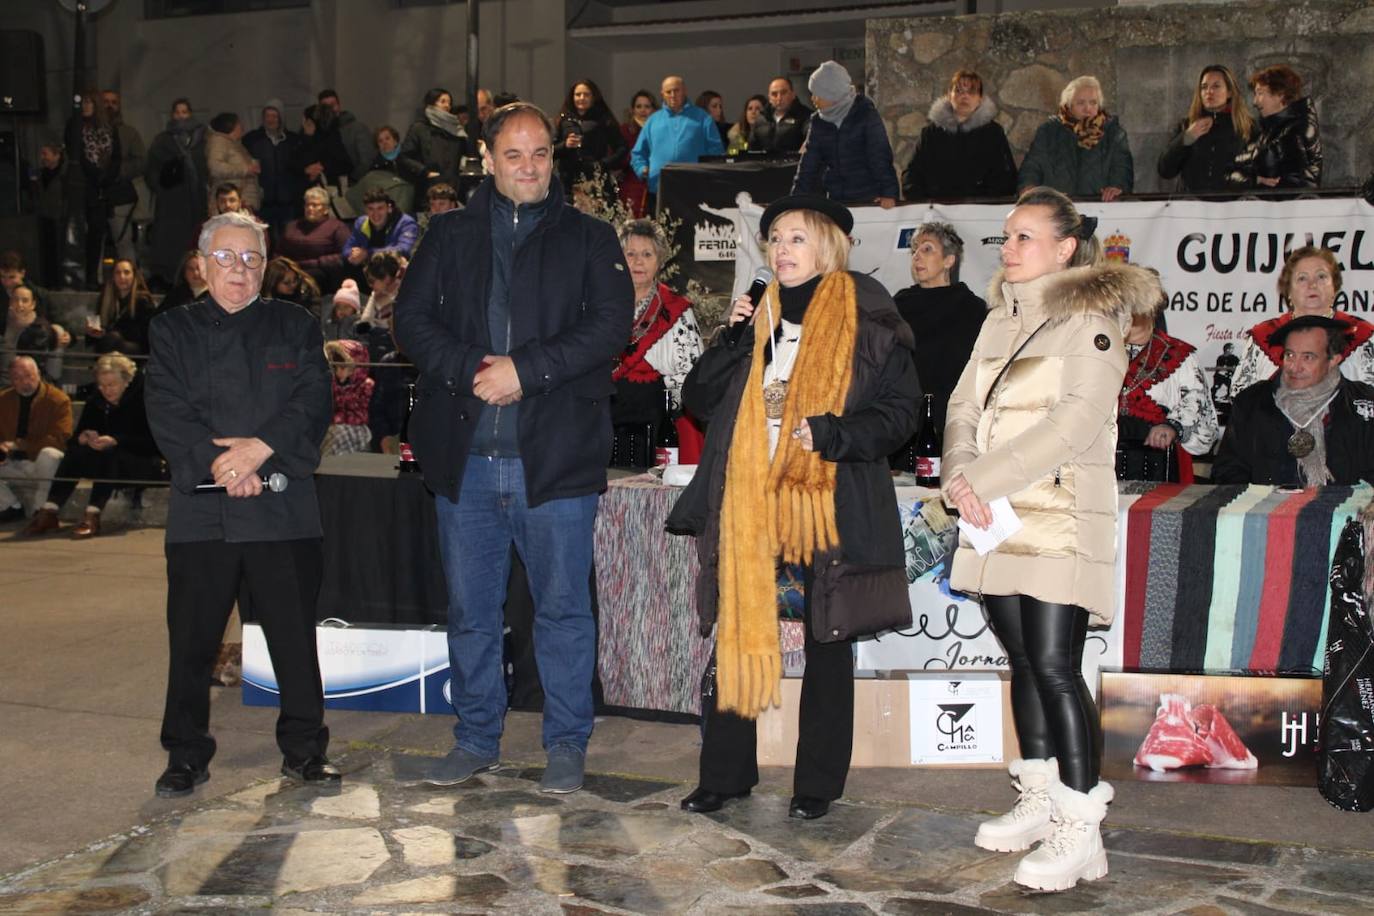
180,780
313,771
704,801
808,808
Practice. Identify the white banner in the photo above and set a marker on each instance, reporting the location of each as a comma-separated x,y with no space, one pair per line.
1219,262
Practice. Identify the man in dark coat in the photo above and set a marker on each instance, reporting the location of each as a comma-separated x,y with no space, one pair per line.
237,391
514,311
357,138
783,129
1307,427
275,147
176,174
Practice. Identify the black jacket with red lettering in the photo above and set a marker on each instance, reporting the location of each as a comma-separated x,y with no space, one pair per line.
259,372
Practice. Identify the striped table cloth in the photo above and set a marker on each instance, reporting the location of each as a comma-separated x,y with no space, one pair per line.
650,655
1232,577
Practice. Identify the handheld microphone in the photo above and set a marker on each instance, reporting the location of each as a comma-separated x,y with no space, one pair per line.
274,482
762,277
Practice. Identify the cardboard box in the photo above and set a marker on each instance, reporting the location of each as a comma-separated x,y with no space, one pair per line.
891,706
1273,720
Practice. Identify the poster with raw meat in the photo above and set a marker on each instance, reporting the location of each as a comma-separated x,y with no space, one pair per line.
1209,728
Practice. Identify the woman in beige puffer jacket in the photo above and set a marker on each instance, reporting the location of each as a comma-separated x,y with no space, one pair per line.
229,162
1043,435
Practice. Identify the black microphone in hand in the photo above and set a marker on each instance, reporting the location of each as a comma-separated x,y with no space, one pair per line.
274,482
762,277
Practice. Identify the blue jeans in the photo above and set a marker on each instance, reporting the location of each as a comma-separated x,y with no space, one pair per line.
555,543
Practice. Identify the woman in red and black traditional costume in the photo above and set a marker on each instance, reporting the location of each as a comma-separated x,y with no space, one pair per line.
1165,405
1310,280
664,344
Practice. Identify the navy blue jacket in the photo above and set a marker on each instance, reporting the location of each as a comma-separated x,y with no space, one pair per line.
851,163
281,184
571,306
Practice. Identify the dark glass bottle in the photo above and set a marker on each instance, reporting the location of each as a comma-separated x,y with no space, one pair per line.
407,464
666,443
928,449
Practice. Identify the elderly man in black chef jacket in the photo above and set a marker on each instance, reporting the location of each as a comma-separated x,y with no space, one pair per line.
238,390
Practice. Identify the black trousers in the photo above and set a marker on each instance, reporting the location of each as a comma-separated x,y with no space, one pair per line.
825,738
97,218
203,581
1054,713
103,467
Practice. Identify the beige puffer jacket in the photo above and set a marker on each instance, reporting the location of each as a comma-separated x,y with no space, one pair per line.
229,162
1047,439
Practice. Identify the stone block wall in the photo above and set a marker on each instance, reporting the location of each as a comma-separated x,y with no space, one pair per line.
1148,60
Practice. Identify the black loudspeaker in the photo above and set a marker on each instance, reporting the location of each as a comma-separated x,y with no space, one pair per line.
22,89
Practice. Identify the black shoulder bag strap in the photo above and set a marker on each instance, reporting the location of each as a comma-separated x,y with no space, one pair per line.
1007,365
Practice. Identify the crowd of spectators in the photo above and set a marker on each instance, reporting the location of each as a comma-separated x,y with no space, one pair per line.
303,181
346,205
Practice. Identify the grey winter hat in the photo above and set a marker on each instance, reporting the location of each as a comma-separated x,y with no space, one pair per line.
831,81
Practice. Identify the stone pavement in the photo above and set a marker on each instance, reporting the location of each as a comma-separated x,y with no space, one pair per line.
388,843
82,669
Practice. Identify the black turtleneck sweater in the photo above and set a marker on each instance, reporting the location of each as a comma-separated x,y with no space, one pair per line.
945,321
795,299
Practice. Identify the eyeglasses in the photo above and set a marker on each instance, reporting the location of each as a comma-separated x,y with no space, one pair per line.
225,258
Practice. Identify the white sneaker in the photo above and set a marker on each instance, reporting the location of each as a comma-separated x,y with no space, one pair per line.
1073,852
1028,822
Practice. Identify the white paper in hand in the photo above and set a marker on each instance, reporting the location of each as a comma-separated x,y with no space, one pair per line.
1005,523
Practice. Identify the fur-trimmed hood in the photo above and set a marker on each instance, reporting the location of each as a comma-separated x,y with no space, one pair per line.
1120,291
942,115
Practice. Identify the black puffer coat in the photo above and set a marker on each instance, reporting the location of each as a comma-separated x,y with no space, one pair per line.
1204,164
851,163
953,160
880,414
1289,148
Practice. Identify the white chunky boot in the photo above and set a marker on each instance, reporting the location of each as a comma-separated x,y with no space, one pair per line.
1028,822
1073,851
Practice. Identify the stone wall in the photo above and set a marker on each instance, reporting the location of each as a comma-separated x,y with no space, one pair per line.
1147,59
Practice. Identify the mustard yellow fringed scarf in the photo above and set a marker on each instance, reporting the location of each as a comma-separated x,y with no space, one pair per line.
785,508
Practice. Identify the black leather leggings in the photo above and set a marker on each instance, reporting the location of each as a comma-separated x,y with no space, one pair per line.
1054,712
